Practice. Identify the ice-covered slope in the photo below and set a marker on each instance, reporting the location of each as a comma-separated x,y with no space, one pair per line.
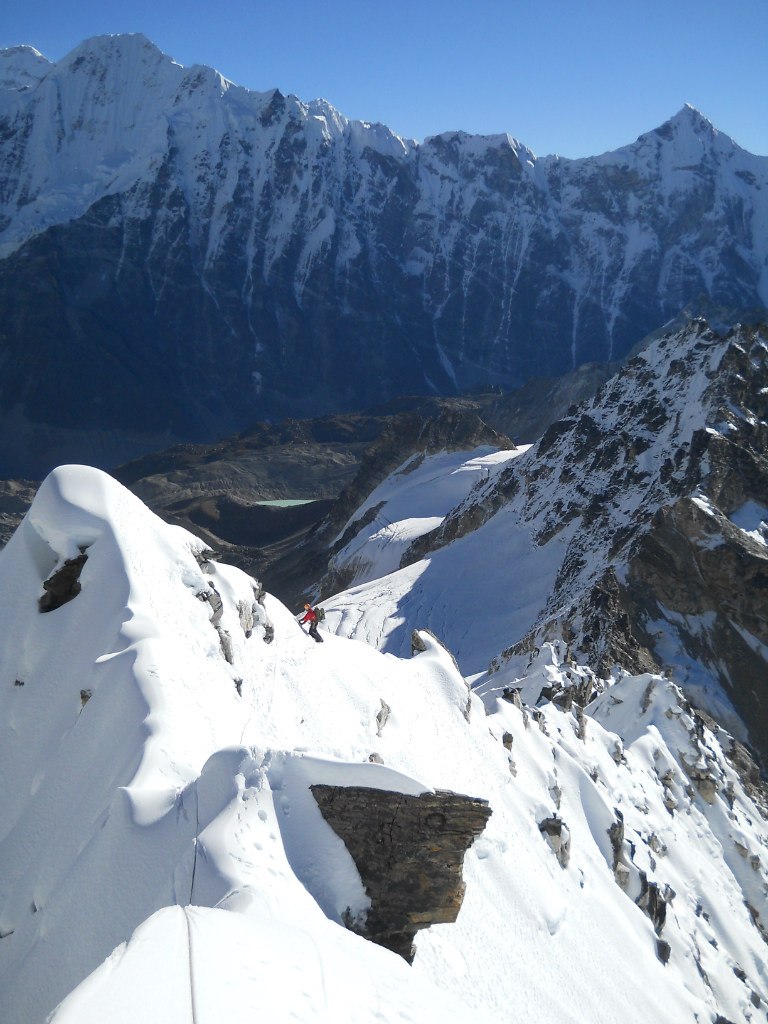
410,503
216,255
161,858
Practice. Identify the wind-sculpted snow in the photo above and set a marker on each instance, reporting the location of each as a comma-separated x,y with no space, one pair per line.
161,858
258,256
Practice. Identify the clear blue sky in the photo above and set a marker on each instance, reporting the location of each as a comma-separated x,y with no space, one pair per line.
575,77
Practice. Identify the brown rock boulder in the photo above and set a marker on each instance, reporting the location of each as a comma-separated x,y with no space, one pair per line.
409,851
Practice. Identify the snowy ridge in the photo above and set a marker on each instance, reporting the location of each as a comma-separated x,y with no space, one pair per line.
161,826
119,104
538,498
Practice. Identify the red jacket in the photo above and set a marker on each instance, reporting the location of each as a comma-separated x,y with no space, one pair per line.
310,616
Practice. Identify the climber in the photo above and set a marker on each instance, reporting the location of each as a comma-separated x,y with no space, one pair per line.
310,616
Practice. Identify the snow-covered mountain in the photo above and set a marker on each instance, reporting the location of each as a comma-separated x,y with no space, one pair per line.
187,256
207,816
634,531
163,857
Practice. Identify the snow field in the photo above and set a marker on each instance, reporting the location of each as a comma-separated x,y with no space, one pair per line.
412,501
172,813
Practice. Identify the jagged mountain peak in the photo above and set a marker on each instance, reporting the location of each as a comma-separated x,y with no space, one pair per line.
206,79
118,58
371,135
21,51
690,136
690,128
477,145
689,110
689,116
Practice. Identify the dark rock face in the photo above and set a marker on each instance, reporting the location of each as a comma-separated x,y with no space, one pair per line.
653,897
278,260
417,644
701,566
525,413
409,851
64,584
653,900
616,837
730,591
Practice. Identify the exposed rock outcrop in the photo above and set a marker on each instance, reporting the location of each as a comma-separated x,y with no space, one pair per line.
409,851
616,837
15,498
382,716
695,567
558,835
418,646
253,613
213,598
64,584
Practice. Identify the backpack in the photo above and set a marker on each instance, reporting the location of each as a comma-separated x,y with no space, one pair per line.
320,613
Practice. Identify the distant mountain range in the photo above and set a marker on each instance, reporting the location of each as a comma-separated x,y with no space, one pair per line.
184,257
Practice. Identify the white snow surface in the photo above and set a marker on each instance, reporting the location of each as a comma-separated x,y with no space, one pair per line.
753,520
409,503
538,530
21,67
120,106
162,859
